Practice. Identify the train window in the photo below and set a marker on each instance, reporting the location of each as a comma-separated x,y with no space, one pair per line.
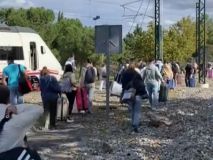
43,50
11,51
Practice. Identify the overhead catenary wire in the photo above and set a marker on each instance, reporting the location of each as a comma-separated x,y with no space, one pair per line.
128,3
104,2
132,15
145,13
136,15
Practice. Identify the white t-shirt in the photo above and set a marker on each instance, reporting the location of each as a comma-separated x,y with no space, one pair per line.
15,129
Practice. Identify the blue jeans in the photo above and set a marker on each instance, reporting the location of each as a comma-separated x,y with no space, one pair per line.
152,90
135,110
15,96
90,92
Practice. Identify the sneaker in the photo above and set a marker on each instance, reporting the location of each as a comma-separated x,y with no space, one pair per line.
69,120
89,112
52,127
136,130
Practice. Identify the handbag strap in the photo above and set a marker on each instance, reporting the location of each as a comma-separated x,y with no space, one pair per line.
20,72
19,68
6,118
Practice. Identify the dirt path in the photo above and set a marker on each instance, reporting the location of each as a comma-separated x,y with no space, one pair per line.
98,137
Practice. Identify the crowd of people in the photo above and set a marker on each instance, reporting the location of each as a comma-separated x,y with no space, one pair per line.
17,117
144,77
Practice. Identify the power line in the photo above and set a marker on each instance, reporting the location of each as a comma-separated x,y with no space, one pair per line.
136,15
128,3
132,15
145,14
105,2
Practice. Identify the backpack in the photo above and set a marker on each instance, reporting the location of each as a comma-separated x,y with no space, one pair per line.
65,85
89,75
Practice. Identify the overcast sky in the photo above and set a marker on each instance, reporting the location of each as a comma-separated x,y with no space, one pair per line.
115,11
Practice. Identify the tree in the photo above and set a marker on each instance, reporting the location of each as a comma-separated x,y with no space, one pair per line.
140,44
179,41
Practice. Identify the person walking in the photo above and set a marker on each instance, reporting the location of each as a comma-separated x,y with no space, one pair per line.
50,89
190,71
168,75
103,76
132,79
69,86
10,78
152,76
88,81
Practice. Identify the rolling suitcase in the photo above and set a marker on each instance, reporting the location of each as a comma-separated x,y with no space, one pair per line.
81,99
163,94
62,108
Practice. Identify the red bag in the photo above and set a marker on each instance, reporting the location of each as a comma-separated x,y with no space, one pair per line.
82,99
25,85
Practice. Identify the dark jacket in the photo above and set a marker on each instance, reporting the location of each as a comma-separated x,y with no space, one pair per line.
127,77
49,88
139,85
131,78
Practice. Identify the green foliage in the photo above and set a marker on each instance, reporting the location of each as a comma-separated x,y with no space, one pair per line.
179,41
140,44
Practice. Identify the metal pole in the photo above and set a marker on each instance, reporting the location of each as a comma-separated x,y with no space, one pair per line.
196,31
108,74
204,41
198,39
158,32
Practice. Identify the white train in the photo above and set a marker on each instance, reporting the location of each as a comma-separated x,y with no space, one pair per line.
27,48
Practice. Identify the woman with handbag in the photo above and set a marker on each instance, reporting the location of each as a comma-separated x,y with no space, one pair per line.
69,86
50,90
132,81
168,75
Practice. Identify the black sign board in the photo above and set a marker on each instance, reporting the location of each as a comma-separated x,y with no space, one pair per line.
108,39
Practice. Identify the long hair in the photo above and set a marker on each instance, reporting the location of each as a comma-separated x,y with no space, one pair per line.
68,68
131,66
44,71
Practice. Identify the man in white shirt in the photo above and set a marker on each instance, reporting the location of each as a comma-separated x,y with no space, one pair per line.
23,116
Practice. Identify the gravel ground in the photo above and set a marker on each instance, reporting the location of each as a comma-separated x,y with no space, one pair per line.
102,137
